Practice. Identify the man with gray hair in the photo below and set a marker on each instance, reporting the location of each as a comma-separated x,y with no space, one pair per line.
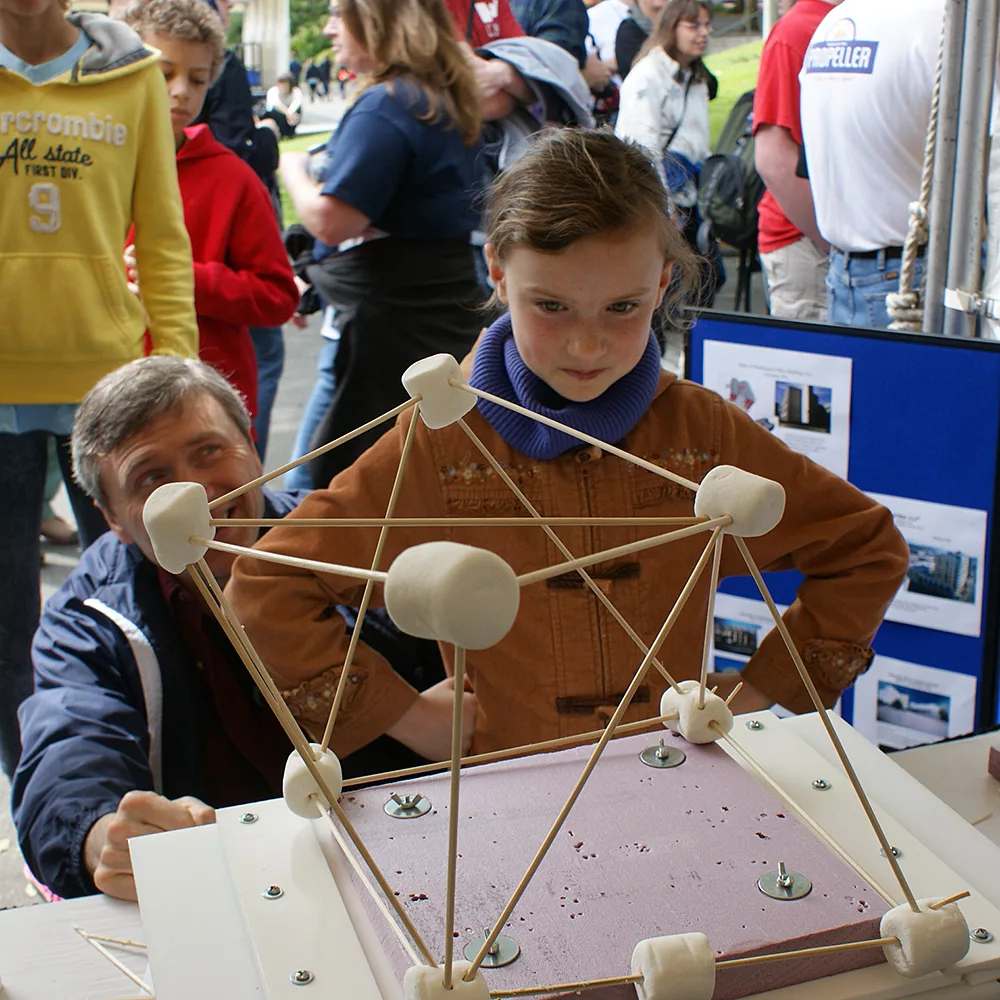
143,718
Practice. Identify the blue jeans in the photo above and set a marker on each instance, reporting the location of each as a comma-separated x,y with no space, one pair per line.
269,347
319,402
856,288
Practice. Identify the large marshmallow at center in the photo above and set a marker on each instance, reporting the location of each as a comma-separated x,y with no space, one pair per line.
298,784
754,503
693,723
173,514
928,941
426,982
452,593
441,403
676,967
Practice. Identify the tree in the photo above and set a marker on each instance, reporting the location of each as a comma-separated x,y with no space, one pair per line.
306,20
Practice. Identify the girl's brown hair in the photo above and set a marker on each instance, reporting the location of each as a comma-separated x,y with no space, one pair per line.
664,33
415,39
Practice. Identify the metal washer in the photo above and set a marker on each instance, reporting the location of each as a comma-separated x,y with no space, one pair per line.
768,884
407,806
506,951
655,756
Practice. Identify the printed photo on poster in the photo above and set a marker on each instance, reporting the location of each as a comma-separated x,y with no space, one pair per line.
739,628
899,704
943,588
803,399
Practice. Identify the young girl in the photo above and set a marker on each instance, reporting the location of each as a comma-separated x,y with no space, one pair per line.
581,251
664,106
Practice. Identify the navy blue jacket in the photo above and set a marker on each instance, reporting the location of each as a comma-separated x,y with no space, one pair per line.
116,706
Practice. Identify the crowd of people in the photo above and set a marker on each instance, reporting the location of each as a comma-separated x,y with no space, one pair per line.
464,205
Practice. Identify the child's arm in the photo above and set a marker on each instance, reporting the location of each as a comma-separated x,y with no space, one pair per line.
845,545
163,250
254,286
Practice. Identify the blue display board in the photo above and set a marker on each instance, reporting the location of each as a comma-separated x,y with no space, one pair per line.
924,424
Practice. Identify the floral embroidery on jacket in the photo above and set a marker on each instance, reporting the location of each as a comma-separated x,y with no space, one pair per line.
691,463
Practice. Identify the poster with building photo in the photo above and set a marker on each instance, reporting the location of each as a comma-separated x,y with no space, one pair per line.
943,588
738,630
900,704
803,399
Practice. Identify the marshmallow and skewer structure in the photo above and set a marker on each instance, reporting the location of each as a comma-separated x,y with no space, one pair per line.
468,597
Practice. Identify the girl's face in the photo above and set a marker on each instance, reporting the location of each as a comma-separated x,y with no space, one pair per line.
691,37
581,317
346,48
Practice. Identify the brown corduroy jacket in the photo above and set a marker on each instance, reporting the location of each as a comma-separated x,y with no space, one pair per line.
565,663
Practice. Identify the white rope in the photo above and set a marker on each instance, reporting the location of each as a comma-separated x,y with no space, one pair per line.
906,307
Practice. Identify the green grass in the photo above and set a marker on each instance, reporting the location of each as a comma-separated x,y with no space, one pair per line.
737,72
297,144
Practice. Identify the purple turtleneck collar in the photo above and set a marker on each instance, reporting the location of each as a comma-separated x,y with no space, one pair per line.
499,369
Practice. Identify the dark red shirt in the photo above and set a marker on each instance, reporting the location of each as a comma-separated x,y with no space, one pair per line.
491,19
776,102
244,746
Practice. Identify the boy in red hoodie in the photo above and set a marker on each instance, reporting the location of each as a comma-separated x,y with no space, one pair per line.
242,277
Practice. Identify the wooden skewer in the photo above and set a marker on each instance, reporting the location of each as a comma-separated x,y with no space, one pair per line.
709,621
513,752
452,522
731,963
275,557
120,966
526,579
456,774
828,949
732,694
121,942
590,984
579,435
838,746
383,536
324,814
557,541
982,819
623,705
950,899
216,600
315,453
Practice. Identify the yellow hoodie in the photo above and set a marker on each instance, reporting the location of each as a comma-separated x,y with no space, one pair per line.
82,157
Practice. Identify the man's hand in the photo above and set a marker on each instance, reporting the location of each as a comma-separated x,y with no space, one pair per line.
748,700
105,852
596,72
426,727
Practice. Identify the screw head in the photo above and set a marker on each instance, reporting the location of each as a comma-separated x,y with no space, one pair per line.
247,818
896,852
302,977
755,724
273,892
981,935
821,784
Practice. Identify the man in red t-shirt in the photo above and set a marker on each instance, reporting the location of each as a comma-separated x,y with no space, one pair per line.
792,252
501,87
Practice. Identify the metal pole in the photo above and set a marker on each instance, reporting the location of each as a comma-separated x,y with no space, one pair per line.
969,204
943,185
769,14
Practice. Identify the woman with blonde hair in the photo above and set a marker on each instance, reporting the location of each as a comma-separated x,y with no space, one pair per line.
664,107
391,216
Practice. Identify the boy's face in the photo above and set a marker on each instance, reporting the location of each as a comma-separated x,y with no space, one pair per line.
187,67
581,317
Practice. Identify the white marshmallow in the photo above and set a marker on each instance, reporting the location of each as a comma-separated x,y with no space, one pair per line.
754,503
440,403
298,783
174,513
677,967
452,593
694,723
425,982
928,941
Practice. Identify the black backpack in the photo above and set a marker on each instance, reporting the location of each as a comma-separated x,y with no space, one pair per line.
730,187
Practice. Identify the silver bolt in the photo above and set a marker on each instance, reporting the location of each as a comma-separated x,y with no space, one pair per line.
784,879
755,724
662,752
981,935
273,892
302,977
820,784
495,947
896,852
247,818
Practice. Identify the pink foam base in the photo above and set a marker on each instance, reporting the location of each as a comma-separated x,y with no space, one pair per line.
643,853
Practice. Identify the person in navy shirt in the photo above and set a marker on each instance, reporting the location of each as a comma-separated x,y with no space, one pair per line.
392,216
